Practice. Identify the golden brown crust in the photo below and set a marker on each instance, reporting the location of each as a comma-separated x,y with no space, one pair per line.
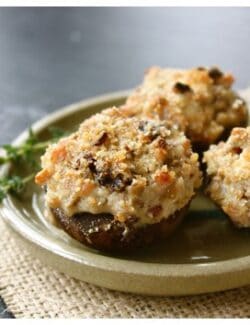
144,169
228,169
200,101
104,233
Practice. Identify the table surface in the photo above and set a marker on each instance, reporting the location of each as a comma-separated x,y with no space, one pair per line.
51,57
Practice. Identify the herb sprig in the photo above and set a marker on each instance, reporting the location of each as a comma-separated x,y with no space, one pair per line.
25,154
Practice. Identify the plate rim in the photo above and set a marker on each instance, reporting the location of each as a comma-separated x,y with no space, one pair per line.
115,264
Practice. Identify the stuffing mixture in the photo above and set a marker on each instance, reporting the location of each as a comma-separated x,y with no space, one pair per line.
142,169
228,169
200,101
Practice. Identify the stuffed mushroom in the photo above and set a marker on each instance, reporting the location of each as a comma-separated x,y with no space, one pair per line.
228,173
120,182
200,101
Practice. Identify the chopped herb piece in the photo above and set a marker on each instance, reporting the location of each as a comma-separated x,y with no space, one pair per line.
182,88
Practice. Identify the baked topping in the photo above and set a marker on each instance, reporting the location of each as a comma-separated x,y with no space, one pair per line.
130,168
200,101
228,167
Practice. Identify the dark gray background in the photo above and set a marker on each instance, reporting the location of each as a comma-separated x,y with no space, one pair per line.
51,57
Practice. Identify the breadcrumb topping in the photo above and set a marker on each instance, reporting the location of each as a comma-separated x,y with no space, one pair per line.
228,167
135,169
200,101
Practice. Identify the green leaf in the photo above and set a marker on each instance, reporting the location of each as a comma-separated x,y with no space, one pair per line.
25,153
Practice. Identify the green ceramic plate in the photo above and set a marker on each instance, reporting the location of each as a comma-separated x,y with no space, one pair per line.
205,254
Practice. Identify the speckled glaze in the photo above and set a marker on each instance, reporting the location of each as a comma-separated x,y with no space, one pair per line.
206,253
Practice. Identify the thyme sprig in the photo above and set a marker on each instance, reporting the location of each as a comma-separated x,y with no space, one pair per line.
25,154
13,184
